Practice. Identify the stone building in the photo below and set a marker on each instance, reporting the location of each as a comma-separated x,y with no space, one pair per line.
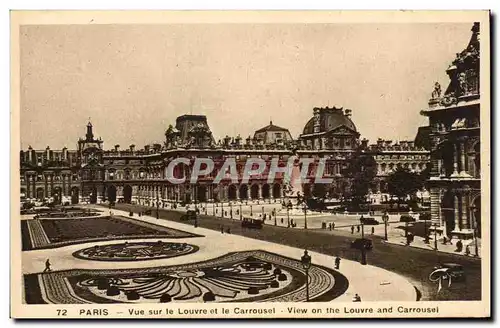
332,136
50,174
140,176
454,120
389,156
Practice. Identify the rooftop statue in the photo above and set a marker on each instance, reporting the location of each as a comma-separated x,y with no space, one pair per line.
436,94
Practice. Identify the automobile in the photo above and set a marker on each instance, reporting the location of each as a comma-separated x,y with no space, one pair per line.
454,270
190,215
252,223
407,218
369,221
362,243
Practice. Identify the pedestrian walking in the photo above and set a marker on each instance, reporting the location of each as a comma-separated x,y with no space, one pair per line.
467,250
47,266
337,263
352,230
373,230
357,229
333,225
222,229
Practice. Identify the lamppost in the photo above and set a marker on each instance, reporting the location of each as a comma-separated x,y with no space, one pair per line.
231,209
222,209
288,215
241,213
251,212
362,221
474,230
157,206
435,237
305,216
385,218
306,264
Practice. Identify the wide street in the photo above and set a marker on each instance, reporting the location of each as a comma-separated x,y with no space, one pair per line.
414,264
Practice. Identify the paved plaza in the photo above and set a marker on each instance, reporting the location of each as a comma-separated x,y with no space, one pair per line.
273,271
342,222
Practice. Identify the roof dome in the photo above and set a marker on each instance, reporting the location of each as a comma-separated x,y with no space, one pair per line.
329,119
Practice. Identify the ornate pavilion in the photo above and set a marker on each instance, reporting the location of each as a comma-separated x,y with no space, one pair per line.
454,119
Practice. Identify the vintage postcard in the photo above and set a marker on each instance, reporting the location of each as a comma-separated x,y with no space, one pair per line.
250,164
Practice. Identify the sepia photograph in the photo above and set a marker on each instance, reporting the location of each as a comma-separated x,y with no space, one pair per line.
250,164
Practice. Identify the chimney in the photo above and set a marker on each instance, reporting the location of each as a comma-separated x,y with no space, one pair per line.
132,148
64,153
117,148
388,143
380,142
30,154
227,140
146,148
364,143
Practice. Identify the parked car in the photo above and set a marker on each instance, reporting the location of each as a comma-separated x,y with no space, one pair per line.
362,243
190,215
252,223
369,221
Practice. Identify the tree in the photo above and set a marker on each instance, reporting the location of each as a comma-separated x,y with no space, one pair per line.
361,170
402,183
319,190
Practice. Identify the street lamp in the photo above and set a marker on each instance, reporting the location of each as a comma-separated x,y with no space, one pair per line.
231,209
305,216
435,237
474,230
385,218
157,206
362,221
241,213
288,215
306,264
251,212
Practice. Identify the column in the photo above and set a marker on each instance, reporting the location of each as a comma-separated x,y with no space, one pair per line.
455,160
465,212
456,212
249,191
260,191
46,191
436,216
462,157
28,194
51,184
35,176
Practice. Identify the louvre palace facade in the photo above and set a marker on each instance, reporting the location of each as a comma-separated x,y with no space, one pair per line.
92,174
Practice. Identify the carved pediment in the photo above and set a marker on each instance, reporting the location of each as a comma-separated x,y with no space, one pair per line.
343,130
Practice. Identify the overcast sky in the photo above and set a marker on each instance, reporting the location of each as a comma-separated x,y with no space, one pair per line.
134,80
